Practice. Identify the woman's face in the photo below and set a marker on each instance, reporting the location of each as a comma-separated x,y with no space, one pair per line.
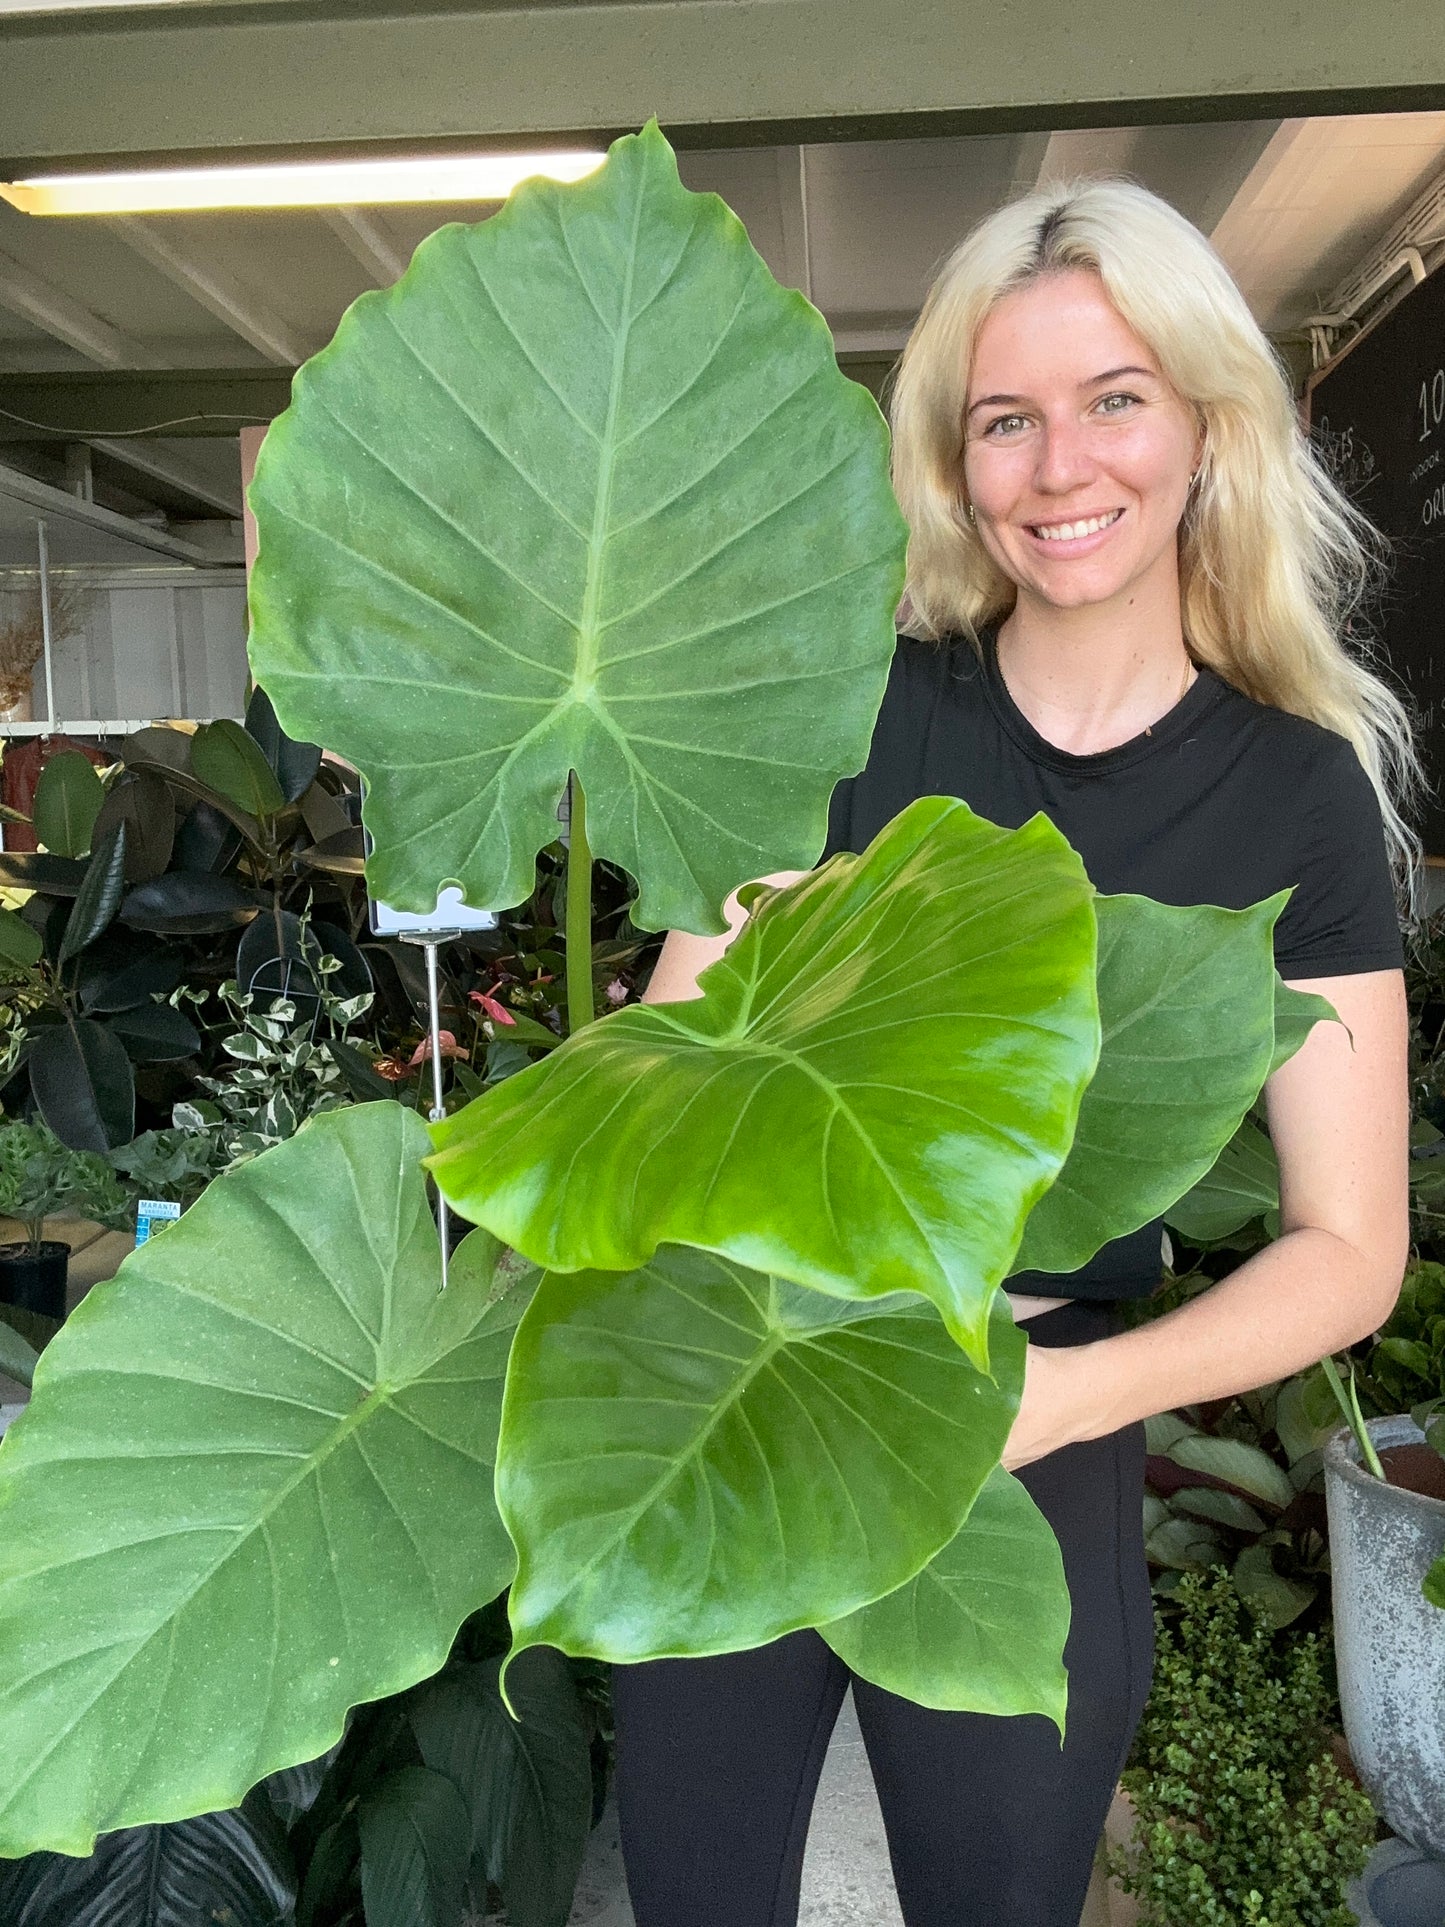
1077,451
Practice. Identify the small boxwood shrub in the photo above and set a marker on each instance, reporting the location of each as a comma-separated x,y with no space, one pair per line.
1244,1818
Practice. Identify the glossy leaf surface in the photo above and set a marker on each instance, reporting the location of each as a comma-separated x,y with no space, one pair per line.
253,1486
67,798
98,897
83,1084
697,1458
982,1628
902,1036
1186,1002
584,491
230,762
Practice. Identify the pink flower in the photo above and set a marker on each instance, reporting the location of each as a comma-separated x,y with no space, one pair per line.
449,1044
498,1013
616,992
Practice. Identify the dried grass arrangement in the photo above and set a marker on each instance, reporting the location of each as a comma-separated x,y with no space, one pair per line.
22,628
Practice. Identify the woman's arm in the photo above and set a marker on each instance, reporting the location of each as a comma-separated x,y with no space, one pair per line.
684,958
1339,1118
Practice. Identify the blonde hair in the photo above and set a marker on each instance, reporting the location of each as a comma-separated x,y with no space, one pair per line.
1273,558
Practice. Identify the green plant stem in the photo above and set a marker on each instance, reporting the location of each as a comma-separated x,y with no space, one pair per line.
1354,1417
580,1001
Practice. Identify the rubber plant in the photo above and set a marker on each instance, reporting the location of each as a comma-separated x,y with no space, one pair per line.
585,500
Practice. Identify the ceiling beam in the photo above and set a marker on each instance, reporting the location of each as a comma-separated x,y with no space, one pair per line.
56,314
143,458
361,235
214,291
94,403
314,75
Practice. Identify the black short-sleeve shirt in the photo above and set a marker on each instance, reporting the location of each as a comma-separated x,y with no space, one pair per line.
1224,800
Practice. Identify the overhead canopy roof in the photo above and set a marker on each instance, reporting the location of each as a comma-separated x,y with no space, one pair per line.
858,139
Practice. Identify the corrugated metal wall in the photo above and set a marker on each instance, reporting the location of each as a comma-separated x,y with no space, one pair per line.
155,642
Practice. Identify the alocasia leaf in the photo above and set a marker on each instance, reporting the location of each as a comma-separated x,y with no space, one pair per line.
880,1078
253,1486
696,1458
981,1628
584,491
1243,1183
1187,1007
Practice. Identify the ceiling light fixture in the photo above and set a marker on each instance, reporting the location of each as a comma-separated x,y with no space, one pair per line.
441,177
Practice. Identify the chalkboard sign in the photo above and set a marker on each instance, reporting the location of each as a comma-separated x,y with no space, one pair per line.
1378,416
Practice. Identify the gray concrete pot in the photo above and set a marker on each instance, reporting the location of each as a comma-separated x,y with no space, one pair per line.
1389,1641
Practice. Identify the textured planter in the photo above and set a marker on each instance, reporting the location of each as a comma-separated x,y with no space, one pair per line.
35,1280
1389,1641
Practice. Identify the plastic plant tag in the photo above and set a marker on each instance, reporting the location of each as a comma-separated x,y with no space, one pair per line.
151,1215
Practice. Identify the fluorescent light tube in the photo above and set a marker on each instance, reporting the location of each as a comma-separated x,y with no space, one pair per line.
440,177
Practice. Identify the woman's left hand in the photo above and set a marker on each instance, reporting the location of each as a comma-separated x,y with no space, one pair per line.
1049,1415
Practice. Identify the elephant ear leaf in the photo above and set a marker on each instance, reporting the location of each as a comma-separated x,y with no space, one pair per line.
878,1081
1296,1012
262,1454
1187,1005
981,1628
585,491
697,1458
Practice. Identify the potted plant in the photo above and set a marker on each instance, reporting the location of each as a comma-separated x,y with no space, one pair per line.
584,503
42,1178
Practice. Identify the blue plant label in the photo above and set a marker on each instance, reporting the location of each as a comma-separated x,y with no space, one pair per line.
151,1214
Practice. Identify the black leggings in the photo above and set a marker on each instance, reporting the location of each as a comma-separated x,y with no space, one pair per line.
990,1823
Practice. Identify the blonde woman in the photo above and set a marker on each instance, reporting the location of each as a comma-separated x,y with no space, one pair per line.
1128,582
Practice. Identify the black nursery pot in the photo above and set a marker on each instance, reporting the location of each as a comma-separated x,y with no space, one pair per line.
35,1280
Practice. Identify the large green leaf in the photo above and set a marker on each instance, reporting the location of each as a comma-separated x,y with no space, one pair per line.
1243,1183
67,798
253,1486
232,763
696,1458
880,1078
982,1628
584,491
232,1867
1186,1002
83,1084
525,1775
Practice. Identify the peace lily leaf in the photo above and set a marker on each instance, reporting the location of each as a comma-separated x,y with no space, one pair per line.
414,1832
697,1458
982,1628
68,797
1186,1003
880,1078
584,491
526,1780
1242,1184
253,1486
233,764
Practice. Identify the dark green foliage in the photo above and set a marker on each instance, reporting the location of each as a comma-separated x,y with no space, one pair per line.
1244,1819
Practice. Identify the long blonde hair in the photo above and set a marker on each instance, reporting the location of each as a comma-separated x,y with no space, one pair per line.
1273,558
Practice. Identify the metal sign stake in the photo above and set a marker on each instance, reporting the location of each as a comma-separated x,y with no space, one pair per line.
430,941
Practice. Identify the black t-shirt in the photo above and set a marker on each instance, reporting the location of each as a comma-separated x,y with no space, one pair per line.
1224,800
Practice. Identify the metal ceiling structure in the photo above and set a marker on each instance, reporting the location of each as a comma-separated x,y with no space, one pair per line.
857,139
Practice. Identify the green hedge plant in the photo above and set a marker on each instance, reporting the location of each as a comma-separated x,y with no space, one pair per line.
584,504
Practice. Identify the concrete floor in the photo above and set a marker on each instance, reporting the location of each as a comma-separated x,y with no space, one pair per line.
846,1877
